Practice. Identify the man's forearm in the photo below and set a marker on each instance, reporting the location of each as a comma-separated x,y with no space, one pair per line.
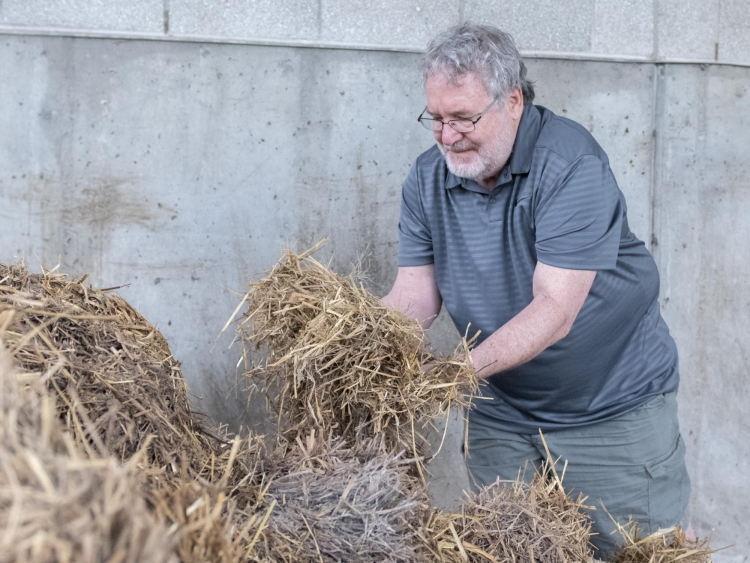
411,307
525,336
415,294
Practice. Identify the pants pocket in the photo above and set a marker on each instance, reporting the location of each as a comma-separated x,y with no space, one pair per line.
668,489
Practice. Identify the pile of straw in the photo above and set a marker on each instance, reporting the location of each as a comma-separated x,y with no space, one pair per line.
663,546
120,393
330,501
119,387
105,390
342,362
516,521
56,505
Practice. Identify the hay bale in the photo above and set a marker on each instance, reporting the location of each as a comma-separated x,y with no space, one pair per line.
664,546
58,507
342,362
516,521
119,388
329,501
119,391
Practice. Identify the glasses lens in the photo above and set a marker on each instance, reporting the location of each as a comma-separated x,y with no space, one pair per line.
431,124
462,125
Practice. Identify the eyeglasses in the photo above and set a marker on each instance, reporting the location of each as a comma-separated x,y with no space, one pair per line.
462,125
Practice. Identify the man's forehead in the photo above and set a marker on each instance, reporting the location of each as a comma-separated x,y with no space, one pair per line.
460,94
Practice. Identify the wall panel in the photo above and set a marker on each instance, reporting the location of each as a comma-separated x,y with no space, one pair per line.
701,225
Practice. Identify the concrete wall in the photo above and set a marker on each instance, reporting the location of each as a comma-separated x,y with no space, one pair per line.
183,166
710,30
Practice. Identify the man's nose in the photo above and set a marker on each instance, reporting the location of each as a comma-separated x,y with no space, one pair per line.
449,135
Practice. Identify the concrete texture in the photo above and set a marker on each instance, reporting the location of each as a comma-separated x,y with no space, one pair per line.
403,23
290,19
624,27
687,29
538,25
701,203
734,31
182,170
134,15
396,22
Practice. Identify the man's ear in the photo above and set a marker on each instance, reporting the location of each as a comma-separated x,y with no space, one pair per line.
515,103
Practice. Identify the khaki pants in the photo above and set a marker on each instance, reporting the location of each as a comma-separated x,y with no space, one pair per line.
634,464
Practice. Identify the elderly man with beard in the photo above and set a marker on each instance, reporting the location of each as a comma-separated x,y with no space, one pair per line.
514,222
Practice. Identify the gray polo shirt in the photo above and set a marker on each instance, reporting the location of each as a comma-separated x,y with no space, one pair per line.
556,202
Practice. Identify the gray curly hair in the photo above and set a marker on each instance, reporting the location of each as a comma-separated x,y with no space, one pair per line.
483,50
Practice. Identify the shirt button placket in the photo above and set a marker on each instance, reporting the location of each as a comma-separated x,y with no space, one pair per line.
492,210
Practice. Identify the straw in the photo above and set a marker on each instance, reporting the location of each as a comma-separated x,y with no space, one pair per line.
535,522
336,502
340,361
664,546
119,392
56,506
120,389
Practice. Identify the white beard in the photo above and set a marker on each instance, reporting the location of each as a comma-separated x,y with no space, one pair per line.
488,160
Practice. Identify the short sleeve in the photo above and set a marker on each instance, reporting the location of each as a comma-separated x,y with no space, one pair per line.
578,218
415,239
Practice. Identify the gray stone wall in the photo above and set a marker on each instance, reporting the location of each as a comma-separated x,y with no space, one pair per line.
182,166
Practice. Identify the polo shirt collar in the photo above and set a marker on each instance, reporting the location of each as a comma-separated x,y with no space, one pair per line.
453,181
523,150
526,137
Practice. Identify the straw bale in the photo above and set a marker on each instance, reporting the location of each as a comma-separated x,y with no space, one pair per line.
56,506
119,388
664,546
120,392
340,361
517,521
329,501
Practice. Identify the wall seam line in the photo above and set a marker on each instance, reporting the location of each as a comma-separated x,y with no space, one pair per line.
319,19
655,38
717,44
654,149
166,17
657,160
308,44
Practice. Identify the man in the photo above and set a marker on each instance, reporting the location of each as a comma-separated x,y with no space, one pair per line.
516,224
